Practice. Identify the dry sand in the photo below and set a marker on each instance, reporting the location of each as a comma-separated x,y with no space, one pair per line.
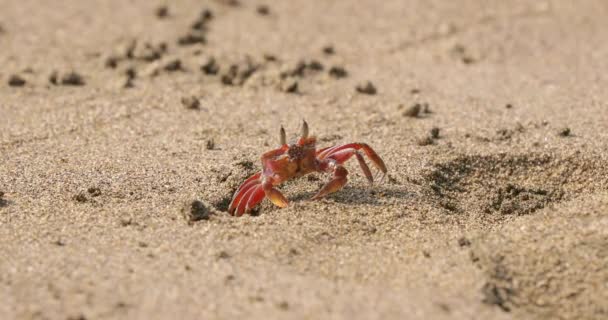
503,215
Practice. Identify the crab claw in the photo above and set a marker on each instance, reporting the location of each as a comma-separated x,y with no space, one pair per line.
247,196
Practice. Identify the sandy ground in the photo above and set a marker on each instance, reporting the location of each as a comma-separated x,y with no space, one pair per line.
501,212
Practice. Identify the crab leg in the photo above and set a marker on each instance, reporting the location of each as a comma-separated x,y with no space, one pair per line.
343,156
251,182
369,152
254,196
336,183
274,195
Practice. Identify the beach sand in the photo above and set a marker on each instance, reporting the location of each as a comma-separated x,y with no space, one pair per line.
126,126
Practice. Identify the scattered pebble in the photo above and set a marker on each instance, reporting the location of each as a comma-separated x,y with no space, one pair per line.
210,67
68,79
289,85
315,65
72,79
337,72
112,62
173,65
283,305
464,242
94,191
191,103
435,133
263,10
131,74
238,73
16,81
565,132
231,3
366,88
329,50
162,12
413,111
426,141
200,24
509,106
270,57
223,255
196,210
191,38
210,144
81,197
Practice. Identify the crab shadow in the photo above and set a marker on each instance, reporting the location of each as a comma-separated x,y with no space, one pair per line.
359,195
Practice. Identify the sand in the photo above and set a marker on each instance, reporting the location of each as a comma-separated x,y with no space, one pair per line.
125,127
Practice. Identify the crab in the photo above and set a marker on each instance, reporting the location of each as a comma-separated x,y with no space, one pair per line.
297,159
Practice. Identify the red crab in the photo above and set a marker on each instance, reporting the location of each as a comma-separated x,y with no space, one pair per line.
295,160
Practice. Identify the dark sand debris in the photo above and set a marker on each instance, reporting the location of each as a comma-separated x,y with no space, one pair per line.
338,72
263,10
366,88
191,103
195,210
16,80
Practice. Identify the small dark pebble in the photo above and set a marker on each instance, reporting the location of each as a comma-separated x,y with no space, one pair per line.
1,194
248,165
162,12
263,10
210,67
283,305
289,86
329,50
366,88
337,72
210,144
231,3
509,106
426,254
173,65
413,111
80,197
435,133
112,62
315,65
223,255
191,39
191,103
59,243
201,23
16,81
464,242
426,141
69,79
94,191
270,57
131,73
414,91
565,132
196,210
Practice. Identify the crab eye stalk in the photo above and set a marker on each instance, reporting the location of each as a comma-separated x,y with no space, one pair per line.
304,129
283,137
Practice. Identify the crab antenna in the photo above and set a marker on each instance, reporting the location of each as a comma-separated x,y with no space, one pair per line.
304,129
283,136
